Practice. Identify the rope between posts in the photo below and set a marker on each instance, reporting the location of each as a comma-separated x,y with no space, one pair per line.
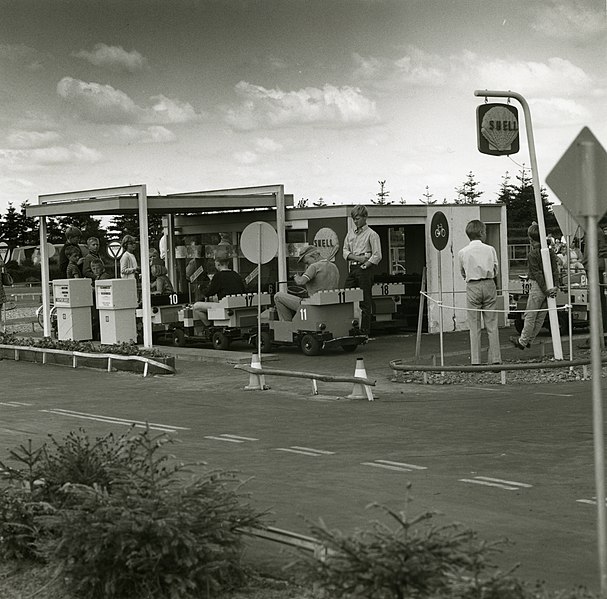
440,303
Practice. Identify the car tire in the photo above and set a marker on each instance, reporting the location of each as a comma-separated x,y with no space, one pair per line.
310,345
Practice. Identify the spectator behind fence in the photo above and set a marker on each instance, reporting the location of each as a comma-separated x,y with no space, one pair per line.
538,291
92,243
129,268
161,285
72,237
319,275
479,267
73,255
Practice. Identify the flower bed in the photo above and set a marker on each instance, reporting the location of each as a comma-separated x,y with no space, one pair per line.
125,356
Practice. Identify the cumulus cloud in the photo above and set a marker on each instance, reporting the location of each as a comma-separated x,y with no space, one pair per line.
417,69
156,134
21,56
30,159
32,139
530,76
329,105
246,157
558,112
100,103
267,145
574,20
114,58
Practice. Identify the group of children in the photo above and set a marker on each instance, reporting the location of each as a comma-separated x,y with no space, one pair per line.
75,265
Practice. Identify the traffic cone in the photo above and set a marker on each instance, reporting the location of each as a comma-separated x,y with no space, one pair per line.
257,382
360,390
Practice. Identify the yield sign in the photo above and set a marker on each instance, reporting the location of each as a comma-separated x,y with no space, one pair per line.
567,223
579,178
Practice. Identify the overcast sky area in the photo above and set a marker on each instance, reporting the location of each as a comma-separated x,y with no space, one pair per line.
324,96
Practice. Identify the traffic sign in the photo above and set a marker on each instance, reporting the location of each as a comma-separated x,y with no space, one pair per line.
567,223
114,249
4,251
439,231
497,129
259,242
579,178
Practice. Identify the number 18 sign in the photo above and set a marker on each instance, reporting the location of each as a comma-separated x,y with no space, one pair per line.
439,231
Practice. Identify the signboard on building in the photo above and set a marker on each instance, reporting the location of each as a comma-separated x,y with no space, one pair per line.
327,242
497,129
439,231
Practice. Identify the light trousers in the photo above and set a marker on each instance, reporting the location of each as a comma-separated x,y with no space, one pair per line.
482,295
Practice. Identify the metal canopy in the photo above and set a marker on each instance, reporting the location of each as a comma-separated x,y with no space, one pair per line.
134,199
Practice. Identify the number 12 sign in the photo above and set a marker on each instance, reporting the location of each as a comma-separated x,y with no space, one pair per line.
439,231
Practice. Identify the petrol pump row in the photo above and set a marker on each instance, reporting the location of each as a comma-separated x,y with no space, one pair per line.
115,300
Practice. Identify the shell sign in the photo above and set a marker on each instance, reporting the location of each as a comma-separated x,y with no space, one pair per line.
327,242
497,129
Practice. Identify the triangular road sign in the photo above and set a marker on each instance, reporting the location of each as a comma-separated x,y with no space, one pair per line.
573,175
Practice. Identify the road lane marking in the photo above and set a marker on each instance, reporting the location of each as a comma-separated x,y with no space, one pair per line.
14,404
213,438
412,466
554,394
488,481
305,450
588,501
238,437
391,465
321,451
167,428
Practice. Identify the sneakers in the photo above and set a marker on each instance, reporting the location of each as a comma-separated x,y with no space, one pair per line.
515,341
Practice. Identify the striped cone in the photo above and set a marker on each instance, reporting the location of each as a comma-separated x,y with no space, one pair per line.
360,390
257,382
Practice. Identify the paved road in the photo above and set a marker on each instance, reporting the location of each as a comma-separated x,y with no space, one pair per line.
505,460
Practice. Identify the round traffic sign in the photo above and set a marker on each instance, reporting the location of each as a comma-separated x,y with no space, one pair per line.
259,242
114,249
439,231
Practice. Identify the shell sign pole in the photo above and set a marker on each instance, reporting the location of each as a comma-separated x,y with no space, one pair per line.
505,120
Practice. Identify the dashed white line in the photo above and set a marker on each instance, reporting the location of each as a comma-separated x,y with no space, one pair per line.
412,466
14,404
588,501
391,465
554,394
238,437
305,450
488,481
167,428
227,439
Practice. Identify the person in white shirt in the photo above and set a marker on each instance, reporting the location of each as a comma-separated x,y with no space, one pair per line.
479,266
362,252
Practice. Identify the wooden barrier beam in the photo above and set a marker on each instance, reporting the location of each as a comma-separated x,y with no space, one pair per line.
327,378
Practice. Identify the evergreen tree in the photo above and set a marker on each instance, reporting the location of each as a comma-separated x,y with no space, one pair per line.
382,195
128,224
468,193
28,227
11,226
520,204
427,197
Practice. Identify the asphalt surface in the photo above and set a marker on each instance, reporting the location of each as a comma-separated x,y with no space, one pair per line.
510,460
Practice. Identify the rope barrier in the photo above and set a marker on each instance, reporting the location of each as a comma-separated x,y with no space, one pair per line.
438,302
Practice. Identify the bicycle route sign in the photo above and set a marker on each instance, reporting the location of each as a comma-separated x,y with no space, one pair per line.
439,231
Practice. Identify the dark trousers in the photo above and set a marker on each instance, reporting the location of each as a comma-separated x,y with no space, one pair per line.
363,278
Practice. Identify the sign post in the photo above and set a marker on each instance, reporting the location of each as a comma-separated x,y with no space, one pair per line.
259,244
114,249
439,233
579,179
539,208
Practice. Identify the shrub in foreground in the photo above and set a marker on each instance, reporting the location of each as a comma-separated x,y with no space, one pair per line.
145,528
415,559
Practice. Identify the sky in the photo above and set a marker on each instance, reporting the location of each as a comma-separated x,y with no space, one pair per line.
327,97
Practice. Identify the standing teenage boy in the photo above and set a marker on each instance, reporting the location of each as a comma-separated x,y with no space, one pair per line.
362,252
478,265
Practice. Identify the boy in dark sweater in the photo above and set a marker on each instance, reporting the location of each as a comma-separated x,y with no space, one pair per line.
538,292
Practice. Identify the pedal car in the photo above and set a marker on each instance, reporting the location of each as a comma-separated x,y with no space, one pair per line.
324,320
232,319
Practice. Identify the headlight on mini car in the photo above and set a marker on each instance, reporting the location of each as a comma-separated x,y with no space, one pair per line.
321,326
230,312
355,323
